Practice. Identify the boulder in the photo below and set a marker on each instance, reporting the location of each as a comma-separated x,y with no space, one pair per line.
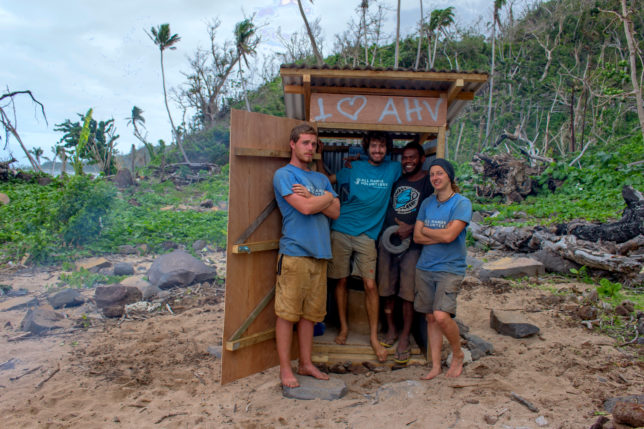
147,290
123,178
511,324
199,245
554,262
39,321
66,298
629,413
127,249
179,268
18,303
609,404
123,269
511,267
312,388
113,298
4,199
477,346
93,265
207,204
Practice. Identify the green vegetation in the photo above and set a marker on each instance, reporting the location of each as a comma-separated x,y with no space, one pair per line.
80,216
85,279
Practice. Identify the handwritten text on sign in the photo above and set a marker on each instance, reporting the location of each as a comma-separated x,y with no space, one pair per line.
377,109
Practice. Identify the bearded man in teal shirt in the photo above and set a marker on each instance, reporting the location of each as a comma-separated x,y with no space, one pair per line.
356,230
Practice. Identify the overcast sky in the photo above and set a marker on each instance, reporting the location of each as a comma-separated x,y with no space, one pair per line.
74,54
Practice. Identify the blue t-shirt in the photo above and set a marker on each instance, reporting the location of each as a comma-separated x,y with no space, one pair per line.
369,187
302,235
445,257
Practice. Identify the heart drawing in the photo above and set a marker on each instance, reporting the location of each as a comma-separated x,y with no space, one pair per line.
351,101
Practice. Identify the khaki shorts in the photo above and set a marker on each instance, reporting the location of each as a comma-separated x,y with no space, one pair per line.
436,291
300,289
397,273
343,246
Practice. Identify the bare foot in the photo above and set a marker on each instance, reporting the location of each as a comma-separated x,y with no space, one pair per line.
288,378
342,337
380,351
456,368
313,371
436,370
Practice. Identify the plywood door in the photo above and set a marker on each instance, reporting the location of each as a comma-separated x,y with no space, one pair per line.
258,144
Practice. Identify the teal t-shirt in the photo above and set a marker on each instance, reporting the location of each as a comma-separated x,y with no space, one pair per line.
302,235
369,185
445,257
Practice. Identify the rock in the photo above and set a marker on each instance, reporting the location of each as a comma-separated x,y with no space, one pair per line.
477,346
4,199
124,178
207,204
477,217
40,321
462,327
215,351
473,264
629,306
113,298
312,388
407,389
640,324
199,245
511,324
93,264
621,310
609,404
591,295
127,249
587,312
66,298
520,215
179,269
470,282
511,267
148,291
167,245
123,269
143,249
490,420
553,262
18,303
541,421
466,360
629,413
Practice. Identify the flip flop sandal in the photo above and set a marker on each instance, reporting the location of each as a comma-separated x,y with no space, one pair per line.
403,356
385,342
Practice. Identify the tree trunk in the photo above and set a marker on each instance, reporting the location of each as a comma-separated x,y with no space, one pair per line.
397,37
629,32
420,36
489,103
243,83
314,45
167,108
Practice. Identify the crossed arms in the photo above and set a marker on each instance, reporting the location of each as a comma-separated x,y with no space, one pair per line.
307,204
425,235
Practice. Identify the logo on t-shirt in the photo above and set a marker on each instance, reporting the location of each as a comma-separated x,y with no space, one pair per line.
316,192
371,183
405,199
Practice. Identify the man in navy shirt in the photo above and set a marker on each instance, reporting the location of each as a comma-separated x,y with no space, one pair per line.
307,202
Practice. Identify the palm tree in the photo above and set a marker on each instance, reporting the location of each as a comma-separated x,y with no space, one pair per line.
364,5
438,21
314,45
420,36
397,37
137,120
245,43
498,4
37,152
164,40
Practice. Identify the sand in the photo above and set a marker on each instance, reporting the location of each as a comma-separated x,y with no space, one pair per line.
157,372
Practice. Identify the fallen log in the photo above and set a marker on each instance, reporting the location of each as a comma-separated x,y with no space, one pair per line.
511,177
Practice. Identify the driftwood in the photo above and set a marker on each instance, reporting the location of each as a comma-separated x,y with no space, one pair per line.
628,227
5,170
511,177
617,248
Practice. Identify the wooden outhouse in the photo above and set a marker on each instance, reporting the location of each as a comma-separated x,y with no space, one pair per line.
342,103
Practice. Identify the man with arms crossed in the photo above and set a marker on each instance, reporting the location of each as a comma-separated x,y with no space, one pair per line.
356,230
307,202
396,272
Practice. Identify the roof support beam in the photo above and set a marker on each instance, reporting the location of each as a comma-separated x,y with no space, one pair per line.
455,89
